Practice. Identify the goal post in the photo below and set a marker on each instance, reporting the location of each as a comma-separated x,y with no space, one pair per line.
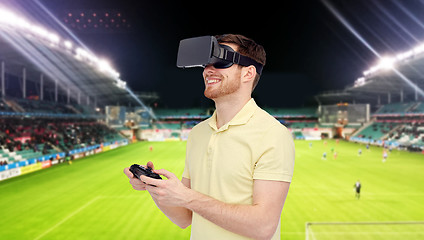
364,230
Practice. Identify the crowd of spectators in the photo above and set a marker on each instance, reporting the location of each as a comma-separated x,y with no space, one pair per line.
414,130
47,135
84,133
24,134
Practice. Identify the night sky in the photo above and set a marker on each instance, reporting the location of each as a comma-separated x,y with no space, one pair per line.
308,49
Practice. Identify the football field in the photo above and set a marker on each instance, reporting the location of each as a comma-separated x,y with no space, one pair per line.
92,199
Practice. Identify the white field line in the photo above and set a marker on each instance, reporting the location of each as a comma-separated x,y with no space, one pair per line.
67,217
78,211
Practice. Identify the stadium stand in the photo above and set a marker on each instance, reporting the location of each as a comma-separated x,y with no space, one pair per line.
179,119
186,113
174,123
377,130
418,108
399,121
175,118
27,138
52,93
396,124
413,133
396,108
295,112
301,124
36,108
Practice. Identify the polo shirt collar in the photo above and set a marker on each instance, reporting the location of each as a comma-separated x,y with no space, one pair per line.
242,117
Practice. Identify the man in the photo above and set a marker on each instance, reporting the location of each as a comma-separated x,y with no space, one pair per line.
239,163
384,156
357,187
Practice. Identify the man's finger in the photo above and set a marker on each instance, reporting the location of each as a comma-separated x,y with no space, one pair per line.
165,173
137,184
150,165
128,173
151,181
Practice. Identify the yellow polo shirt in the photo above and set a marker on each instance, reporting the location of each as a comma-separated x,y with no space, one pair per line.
222,163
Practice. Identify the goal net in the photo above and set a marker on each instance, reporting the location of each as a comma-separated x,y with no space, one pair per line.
364,230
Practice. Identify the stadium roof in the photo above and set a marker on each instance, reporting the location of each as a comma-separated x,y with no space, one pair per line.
397,79
41,51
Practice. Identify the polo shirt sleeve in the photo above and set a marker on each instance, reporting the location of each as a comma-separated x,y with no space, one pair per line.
276,155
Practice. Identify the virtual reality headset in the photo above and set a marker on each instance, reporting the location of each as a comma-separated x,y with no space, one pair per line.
204,51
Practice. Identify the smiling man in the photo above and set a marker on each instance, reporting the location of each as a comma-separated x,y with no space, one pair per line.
239,163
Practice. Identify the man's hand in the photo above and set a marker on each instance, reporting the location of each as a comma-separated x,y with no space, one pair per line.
167,194
170,192
134,181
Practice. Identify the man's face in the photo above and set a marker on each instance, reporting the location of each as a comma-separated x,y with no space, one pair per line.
221,82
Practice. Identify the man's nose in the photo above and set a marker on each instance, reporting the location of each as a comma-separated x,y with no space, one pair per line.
209,69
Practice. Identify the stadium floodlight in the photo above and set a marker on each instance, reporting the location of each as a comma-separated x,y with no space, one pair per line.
387,63
40,31
17,22
54,38
419,49
405,55
103,65
8,17
80,53
374,69
92,58
68,44
121,84
12,25
360,81
384,63
366,72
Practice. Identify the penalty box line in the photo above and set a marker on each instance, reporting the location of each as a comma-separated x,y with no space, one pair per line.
78,211
68,217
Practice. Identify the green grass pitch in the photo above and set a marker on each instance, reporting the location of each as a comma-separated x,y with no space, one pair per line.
92,199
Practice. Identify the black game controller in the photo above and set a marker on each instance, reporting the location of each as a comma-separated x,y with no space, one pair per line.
139,170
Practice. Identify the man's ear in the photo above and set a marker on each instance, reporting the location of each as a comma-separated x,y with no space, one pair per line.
248,73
